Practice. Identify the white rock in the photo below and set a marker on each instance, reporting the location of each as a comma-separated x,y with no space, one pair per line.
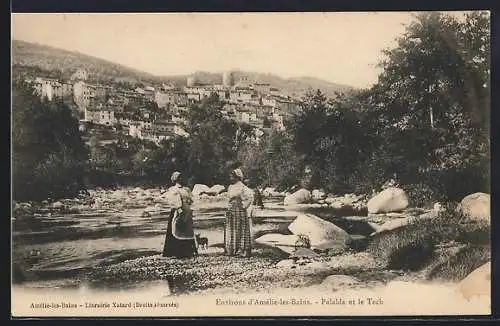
476,206
301,196
215,190
57,205
319,231
283,242
477,283
389,200
318,194
199,189
394,224
270,191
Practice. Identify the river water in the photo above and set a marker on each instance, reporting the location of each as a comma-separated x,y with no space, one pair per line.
64,247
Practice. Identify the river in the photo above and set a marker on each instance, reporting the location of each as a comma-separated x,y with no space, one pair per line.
61,248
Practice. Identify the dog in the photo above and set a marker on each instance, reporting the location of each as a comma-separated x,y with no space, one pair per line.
303,241
201,241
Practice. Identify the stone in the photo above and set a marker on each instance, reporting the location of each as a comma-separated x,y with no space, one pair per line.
271,192
393,224
338,282
216,190
477,283
330,200
199,189
321,233
283,242
318,195
57,205
389,200
301,196
476,206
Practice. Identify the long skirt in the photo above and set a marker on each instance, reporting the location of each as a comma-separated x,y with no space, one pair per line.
179,240
237,233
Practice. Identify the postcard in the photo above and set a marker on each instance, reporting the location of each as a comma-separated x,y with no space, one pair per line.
250,164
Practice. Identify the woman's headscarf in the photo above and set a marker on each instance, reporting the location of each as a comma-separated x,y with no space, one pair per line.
238,173
175,176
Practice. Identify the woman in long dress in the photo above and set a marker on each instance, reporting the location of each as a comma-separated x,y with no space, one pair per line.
180,239
237,231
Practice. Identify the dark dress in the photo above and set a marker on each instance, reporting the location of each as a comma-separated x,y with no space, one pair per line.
180,240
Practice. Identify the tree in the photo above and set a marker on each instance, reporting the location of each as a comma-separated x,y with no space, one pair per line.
273,161
48,153
213,142
433,95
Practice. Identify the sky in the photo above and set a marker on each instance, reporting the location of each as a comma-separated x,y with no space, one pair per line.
337,47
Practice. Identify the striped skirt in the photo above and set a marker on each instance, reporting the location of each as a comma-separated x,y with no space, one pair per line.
237,234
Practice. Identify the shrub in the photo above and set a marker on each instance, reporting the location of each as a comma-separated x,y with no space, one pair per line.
458,266
455,227
407,248
412,247
422,195
477,233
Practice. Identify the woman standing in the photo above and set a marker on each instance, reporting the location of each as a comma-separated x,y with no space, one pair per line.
237,233
180,239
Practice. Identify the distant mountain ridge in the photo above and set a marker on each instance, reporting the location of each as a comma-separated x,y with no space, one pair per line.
26,54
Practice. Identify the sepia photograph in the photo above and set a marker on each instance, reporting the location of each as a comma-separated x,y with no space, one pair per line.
250,164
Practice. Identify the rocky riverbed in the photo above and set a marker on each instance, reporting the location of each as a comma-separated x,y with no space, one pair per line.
113,238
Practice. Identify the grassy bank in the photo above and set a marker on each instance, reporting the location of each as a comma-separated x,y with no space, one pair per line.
418,246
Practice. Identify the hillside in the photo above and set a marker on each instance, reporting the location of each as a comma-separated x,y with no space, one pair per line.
290,86
48,58
56,62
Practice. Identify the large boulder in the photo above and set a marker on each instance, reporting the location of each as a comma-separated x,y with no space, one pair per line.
283,242
301,196
322,234
389,200
476,206
215,190
199,189
22,209
477,283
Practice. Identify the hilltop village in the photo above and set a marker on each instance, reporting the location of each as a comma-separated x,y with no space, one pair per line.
154,112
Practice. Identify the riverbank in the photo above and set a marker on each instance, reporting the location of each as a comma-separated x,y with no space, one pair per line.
105,242
212,271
